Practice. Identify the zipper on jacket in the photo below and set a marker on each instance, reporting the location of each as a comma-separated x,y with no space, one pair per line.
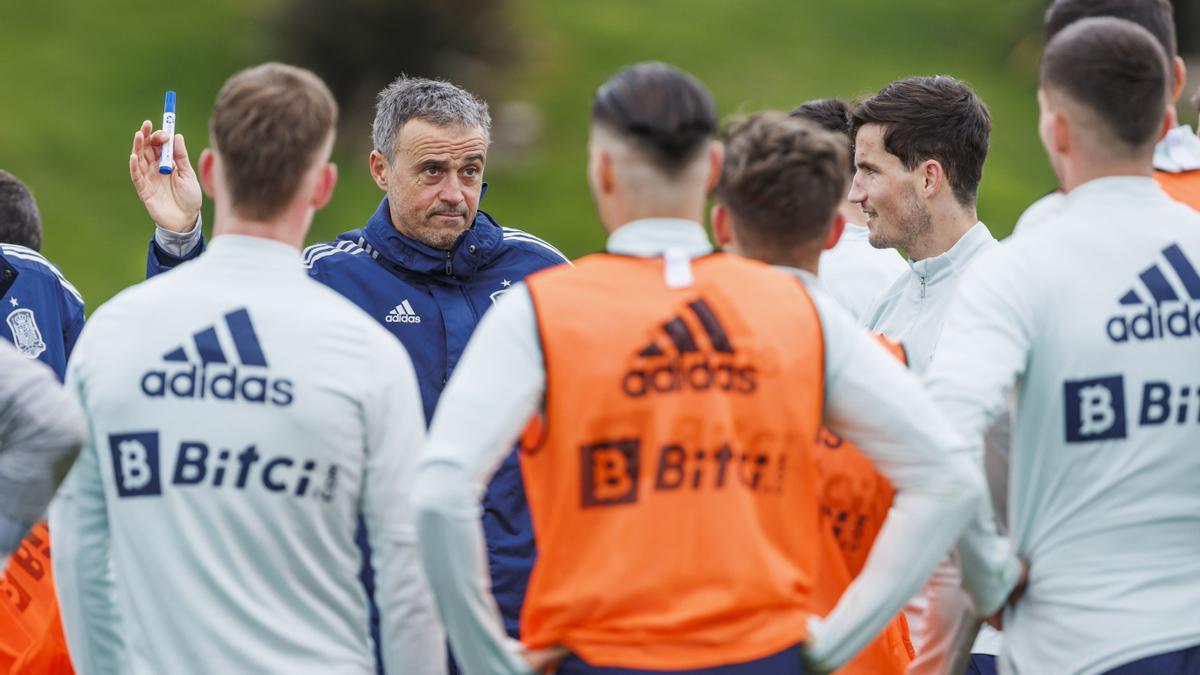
449,268
922,286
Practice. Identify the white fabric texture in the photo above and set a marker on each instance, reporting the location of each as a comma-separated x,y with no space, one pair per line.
209,524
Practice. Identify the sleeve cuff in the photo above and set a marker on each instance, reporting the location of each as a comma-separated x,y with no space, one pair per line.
180,245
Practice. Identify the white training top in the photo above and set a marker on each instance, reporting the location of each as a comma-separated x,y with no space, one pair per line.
1098,315
240,418
855,272
913,309
501,380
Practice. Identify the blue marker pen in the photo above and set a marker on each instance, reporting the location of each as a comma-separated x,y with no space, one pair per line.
167,160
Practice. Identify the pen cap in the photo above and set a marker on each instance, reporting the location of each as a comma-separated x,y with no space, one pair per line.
169,105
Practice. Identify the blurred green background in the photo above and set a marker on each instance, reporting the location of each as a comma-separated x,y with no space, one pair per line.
78,78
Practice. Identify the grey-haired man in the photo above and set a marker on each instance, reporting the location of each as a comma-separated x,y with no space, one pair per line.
427,265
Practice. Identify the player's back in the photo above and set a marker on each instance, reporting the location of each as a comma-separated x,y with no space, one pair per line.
1103,497
233,445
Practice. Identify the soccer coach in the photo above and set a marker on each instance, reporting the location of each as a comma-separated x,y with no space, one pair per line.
427,265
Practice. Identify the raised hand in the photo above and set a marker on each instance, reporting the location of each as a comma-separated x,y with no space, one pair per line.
172,200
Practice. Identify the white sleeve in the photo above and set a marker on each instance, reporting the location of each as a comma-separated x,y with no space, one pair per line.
410,632
497,386
983,350
179,244
79,537
40,433
877,404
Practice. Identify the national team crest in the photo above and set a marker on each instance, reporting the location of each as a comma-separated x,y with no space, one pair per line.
26,336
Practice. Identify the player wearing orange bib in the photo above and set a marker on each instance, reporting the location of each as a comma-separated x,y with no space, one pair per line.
674,491
781,176
31,636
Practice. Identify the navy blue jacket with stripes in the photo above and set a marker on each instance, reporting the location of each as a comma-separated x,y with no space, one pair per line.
431,301
41,313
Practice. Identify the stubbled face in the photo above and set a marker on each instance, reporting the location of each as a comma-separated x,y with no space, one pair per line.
434,181
887,193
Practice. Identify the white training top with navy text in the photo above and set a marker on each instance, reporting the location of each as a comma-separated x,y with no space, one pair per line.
240,419
1097,312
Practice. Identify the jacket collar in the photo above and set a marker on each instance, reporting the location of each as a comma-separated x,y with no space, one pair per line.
652,237
477,246
1178,151
963,250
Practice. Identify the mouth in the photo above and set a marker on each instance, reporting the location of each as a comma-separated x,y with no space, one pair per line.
449,218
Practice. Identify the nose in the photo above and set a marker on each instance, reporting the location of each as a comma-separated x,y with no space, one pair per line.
857,194
452,191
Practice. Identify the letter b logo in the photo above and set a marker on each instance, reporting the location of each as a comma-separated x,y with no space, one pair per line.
1094,409
135,463
609,472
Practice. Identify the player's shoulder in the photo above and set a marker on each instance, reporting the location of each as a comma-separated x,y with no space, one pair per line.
349,249
530,249
29,261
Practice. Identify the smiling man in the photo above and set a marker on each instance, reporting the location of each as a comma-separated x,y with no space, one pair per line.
920,144
427,265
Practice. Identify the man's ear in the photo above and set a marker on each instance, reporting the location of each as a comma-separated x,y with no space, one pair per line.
326,181
208,169
722,230
835,232
933,177
1179,70
1061,133
380,169
716,161
606,172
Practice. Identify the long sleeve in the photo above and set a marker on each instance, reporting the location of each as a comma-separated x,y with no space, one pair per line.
496,388
40,434
79,536
169,249
984,349
880,407
412,638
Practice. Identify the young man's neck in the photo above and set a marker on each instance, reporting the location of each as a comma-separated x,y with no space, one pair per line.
285,229
1083,171
949,225
801,258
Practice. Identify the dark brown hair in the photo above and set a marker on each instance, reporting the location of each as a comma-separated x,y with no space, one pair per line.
832,115
937,118
1117,70
1155,16
783,178
268,124
666,112
20,222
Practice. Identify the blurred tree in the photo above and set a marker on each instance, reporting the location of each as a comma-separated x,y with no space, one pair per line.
358,46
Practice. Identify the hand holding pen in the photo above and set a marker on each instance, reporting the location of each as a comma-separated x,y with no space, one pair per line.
171,196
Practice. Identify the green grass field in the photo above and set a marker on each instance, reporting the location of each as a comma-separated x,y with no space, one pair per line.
80,77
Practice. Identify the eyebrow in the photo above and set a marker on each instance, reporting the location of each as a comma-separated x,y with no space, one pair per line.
863,164
477,157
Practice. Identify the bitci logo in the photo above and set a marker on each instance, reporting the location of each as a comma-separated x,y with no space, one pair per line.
610,472
135,463
1095,409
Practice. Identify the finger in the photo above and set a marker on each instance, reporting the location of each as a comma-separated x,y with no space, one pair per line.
137,143
147,128
135,174
159,138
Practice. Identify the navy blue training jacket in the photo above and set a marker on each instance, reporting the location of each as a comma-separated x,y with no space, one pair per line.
42,312
431,300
